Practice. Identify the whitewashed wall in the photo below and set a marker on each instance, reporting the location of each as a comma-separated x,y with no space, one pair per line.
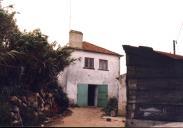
75,74
122,95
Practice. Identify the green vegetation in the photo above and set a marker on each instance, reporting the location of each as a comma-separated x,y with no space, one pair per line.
112,107
29,66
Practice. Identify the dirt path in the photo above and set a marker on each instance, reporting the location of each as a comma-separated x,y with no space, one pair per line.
86,117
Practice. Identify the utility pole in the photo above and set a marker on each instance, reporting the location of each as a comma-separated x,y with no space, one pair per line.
174,50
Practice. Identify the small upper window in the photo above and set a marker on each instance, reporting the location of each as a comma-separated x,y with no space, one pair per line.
103,64
89,63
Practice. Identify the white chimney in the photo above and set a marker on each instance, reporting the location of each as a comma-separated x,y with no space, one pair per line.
75,39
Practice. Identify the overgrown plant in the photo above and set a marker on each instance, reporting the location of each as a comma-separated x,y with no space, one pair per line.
26,58
112,107
60,97
28,63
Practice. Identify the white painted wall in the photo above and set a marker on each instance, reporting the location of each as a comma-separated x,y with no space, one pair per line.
122,95
75,74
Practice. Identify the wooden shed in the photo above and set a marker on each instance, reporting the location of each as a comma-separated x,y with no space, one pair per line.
154,87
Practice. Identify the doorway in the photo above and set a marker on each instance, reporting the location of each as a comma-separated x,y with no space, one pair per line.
92,95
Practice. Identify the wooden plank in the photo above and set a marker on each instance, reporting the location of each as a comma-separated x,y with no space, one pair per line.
156,96
154,85
82,95
102,95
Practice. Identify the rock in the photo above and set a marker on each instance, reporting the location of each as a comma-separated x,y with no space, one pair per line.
108,119
15,109
47,107
50,95
32,98
40,102
36,114
35,104
24,99
15,116
42,93
113,113
13,98
24,105
12,114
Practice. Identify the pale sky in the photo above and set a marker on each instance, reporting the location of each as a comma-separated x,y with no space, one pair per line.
106,23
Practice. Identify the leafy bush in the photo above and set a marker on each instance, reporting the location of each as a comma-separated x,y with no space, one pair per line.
60,96
62,100
7,91
28,63
112,106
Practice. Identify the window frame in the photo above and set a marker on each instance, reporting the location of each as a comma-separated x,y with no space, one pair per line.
90,64
101,67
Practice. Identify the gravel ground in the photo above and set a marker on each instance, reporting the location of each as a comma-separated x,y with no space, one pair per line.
171,125
86,117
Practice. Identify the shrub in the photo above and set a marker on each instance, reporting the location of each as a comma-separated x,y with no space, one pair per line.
112,106
60,96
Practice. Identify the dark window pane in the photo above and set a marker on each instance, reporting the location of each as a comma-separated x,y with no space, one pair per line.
89,62
103,64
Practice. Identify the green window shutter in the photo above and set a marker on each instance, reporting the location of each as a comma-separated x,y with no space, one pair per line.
82,95
102,95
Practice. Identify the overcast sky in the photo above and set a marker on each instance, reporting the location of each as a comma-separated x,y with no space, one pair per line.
107,23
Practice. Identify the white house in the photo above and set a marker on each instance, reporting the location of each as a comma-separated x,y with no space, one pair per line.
92,79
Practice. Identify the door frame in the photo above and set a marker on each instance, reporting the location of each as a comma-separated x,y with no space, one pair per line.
82,96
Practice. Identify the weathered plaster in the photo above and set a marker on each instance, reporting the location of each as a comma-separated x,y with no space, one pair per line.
75,74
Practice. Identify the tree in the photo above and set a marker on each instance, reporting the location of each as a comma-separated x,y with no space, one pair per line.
27,60
44,62
9,31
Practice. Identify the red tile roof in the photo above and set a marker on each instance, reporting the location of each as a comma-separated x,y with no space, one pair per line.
177,57
93,48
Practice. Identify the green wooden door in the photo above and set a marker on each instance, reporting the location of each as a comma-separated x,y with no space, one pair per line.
102,95
82,95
